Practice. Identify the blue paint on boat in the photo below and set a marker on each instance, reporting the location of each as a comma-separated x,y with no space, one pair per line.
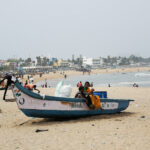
101,94
64,114
122,105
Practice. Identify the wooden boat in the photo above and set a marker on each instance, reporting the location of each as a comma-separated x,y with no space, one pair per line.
43,106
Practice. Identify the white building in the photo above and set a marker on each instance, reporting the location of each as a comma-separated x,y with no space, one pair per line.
93,62
65,63
87,61
97,62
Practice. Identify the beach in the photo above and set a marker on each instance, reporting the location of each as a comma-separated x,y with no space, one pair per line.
129,130
99,50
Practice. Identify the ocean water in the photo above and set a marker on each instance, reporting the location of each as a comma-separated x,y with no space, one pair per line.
114,79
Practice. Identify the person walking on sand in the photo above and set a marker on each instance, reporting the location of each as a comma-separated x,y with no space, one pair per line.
65,76
9,81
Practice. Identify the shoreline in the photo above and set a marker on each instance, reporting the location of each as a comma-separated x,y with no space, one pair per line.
59,75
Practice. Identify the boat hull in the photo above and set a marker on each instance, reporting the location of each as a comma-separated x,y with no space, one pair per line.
65,113
42,106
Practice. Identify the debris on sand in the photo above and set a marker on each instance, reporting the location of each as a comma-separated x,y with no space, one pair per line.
39,130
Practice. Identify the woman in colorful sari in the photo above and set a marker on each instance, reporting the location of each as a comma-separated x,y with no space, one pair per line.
94,98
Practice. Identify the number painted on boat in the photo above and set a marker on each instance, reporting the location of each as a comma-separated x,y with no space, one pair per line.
21,101
44,104
76,105
109,105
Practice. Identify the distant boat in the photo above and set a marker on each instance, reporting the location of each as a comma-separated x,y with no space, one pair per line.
43,106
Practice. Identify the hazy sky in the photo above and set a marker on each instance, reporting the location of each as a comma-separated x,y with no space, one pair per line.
60,28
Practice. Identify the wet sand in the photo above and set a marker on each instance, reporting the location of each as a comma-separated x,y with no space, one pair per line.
129,130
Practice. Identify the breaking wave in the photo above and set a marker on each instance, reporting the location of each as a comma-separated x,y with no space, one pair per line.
142,75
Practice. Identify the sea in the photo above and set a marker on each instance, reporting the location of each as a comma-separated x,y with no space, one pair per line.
114,79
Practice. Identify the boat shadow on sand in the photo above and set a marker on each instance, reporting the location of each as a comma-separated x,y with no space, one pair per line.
53,121
10,100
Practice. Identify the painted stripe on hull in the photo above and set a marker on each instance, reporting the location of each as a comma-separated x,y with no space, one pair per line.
58,113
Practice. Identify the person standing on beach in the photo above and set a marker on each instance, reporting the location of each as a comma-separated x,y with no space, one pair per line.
9,81
65,76
109,85
79,84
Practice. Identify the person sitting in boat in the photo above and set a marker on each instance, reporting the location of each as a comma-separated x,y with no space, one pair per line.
87,88
31,86
86,97
94,98
26,83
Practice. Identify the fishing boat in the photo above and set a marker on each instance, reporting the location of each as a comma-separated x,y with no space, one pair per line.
43,106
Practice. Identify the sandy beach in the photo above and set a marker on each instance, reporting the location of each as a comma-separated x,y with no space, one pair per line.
51,46
129,130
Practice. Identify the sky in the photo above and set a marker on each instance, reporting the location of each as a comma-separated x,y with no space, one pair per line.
60,28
